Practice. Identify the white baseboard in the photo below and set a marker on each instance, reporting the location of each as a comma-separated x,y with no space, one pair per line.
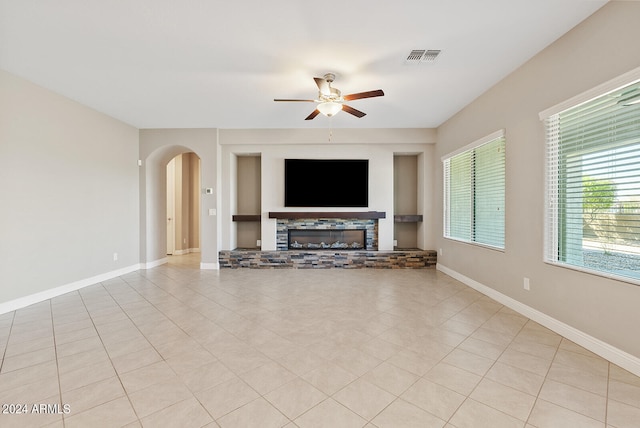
617,356
186,251
154,263
31,299
210,266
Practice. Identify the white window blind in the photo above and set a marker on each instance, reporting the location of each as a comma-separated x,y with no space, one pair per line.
593,184
474,186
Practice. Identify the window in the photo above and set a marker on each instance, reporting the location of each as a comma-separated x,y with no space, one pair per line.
593,184
474,183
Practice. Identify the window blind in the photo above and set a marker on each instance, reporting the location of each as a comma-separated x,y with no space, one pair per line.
474,186
593,184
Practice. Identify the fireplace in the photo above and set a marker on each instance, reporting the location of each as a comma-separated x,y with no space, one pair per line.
366,226
326,239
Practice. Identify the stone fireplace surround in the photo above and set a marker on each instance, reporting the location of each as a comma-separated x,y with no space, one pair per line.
283,257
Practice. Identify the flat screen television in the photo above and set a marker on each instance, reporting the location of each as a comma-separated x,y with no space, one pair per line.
326,182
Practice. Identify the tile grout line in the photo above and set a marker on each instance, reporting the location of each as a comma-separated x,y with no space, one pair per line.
187,333
139,419
543,382
108,355
55,350
421,377
4,353
606,401
468,396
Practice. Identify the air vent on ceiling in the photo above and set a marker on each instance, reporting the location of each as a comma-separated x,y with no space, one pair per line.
415,55
431,55
418,56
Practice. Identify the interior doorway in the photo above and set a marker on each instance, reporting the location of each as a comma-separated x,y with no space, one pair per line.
171,206
183,204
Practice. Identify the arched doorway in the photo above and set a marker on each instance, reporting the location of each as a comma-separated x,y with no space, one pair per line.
157,148
185,193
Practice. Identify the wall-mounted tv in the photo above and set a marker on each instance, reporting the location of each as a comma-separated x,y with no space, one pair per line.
326,182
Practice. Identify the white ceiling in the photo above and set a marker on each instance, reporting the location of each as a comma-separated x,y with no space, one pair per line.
220,64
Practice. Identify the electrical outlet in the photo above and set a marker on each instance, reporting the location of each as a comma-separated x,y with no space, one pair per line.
258,243
526,284
115,257
440,251
395,242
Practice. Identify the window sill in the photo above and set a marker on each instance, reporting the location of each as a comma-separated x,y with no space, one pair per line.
476,244
594,272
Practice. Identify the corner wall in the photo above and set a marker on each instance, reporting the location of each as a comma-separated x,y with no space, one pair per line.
604,309
69,186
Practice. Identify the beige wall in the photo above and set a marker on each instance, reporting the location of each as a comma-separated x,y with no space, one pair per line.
69,192
597,50
194,202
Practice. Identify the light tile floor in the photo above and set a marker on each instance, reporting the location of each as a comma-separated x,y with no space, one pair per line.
178,347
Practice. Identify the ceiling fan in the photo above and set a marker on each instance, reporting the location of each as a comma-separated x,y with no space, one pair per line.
331,101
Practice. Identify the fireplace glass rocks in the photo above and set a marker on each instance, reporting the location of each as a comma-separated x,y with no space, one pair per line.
327,239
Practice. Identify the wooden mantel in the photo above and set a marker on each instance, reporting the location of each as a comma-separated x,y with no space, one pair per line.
327,214
246,217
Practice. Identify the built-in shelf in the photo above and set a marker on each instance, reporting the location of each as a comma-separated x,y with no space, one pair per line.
327,214
407,218
246,217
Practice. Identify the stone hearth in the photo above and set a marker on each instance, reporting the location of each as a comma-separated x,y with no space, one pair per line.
292,259
300,258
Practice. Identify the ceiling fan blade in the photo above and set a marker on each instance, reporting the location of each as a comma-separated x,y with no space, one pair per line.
313,114
368,94
323,85
351,110
293,100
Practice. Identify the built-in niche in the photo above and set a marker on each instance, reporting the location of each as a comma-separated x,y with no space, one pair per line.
248,200
405,201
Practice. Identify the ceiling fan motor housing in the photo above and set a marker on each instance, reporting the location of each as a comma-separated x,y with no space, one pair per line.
330,93
330,100
334,95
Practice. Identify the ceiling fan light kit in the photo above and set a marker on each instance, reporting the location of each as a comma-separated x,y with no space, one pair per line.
329,108
330,100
